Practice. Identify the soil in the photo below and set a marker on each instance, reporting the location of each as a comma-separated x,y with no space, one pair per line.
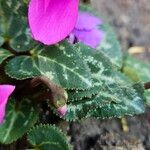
131,21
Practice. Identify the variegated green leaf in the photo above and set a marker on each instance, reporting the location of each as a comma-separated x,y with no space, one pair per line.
109,45
138,71
1,40
131,101
4,54
48,137
142,69
13,26
147,94
112,87
19,119
60,63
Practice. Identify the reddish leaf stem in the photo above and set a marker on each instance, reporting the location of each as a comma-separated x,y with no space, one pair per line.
147,85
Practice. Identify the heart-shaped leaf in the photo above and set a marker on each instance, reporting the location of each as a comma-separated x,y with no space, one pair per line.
46,137
60,63
19,119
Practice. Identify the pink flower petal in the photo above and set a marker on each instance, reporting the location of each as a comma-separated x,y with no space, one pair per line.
5,92
87,21
62,110
91,38
52,20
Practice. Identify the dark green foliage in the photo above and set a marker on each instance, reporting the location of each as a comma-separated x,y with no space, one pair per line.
13,26
109,45
147,94
92,78
61,63
142,69
19,119
48,137
89,76
111,90
4,54
138,71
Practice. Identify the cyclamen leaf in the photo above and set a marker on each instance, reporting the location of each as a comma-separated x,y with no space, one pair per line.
130,72
80,103
98,64
4,54
130,104
119,110
109,45
75,95
15,5
13,26
60,63
1,40
22,42
142,69
18,121
112,87
114,100
46,137
139,69
147,94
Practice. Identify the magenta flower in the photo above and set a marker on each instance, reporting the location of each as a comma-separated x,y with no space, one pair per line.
5,92
86,30
62,110
51,21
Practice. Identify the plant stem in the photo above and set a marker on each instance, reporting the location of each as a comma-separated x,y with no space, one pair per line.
54,93
87,1
147,85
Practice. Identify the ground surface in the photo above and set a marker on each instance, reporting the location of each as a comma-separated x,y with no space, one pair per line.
131,21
